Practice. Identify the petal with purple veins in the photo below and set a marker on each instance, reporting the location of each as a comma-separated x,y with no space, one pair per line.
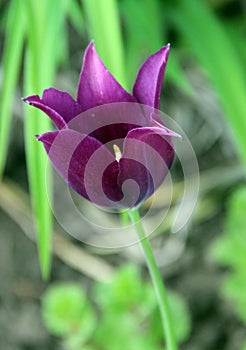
56,118
110,121
146,158
97,86
62,103
58,105
85,165
147,87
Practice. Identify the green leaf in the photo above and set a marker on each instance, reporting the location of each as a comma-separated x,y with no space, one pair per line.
130,302
45,21
38,171
67,313
126,291
11,61
209,41
181,319
230,251
233,289
243,347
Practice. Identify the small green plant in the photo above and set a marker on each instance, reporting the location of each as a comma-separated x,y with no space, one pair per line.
68,314
129,309
230,251
128,315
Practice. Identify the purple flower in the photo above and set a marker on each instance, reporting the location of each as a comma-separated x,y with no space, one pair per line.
111,147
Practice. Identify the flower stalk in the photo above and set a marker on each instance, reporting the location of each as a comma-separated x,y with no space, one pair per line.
157,281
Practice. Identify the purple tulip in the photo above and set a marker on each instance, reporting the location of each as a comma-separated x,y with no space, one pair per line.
111,147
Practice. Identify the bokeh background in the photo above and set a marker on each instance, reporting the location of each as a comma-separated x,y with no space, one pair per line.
101,298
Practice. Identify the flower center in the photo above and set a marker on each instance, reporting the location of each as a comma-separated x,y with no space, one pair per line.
117,152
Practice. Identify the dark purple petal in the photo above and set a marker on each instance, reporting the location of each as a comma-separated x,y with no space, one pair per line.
58,105
110,121
96,85
62,103
85,165
147,87
147,156
135,182
57,119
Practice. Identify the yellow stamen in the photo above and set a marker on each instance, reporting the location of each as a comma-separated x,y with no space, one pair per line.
117,152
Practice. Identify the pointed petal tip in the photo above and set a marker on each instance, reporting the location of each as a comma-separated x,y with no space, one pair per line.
38,137
163,53
91,43
162,129
147,87
90,48
164,49
45,137
97,86
90,51
30,99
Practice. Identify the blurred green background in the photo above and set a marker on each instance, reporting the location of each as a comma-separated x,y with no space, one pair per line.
101,299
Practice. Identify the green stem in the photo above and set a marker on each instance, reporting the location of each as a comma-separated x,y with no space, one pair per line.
160,289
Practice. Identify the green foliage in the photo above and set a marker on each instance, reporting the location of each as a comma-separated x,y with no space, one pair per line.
76,16
230,248
230,251
40,25
126,303
68,314
243,346
44,22
11,61
207,38
145,34
130,302
181,319
125,291
128,315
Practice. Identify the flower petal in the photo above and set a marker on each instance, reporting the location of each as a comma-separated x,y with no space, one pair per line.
36,101
58,105
111,121
147,87
96,85
85,165
147,156
62,103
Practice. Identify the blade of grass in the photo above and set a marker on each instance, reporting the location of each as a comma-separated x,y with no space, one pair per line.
44,21
11,62
236,32
210,43
3,15
37,166
104,28
35,123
